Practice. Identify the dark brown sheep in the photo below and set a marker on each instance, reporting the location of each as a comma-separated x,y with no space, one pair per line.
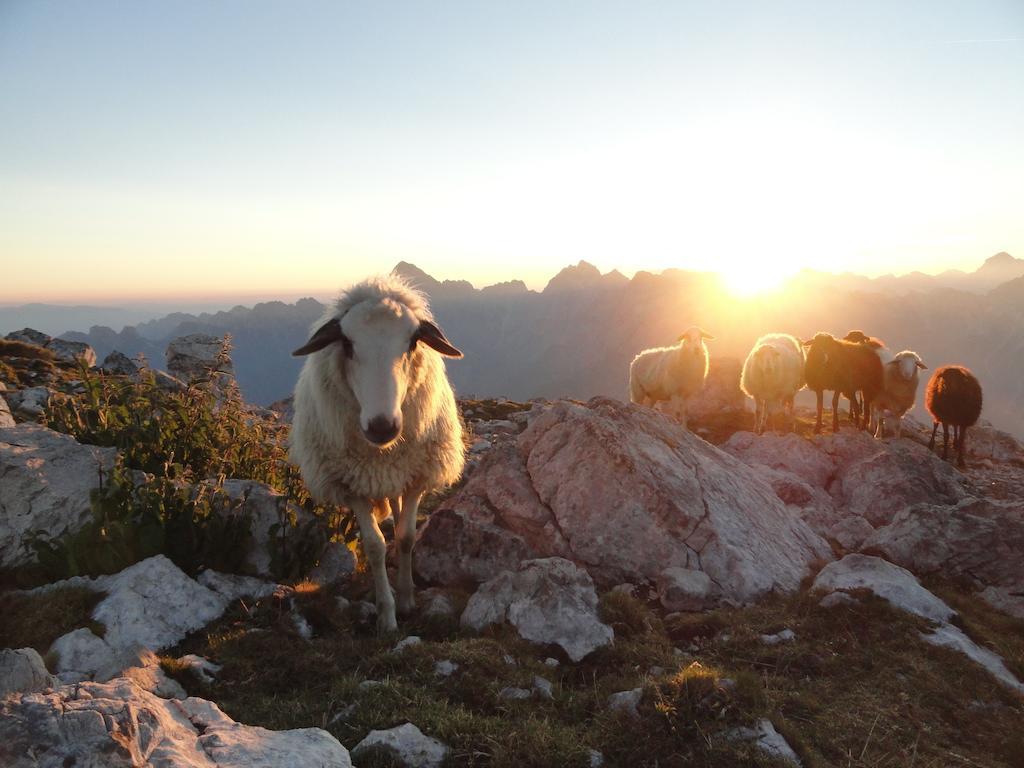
845,368
953,398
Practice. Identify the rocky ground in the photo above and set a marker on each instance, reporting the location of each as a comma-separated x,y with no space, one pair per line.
602,588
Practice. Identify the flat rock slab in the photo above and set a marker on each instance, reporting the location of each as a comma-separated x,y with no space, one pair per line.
118,724
548,601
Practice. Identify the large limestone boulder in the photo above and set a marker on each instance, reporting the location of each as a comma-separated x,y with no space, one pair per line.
549,602
119,364
119,724
625,493
196,356
45,482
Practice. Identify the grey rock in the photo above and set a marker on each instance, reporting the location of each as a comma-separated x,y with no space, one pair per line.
23,671
785,636
890,582
407,744
200,666
542,687
548,601
232,586
119,364
336,564
445,668
767,740
118,724
626,702
29,402
685,589
406,642
195,357
46,479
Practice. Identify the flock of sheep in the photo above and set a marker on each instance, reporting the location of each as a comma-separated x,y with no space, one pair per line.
878,384
376,424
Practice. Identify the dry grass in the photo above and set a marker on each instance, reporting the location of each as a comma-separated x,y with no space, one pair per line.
36,620
856,688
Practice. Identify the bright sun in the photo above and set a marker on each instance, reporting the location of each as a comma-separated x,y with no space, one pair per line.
746,280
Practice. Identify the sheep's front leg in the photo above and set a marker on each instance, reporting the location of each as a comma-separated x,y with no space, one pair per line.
376,549
405,533
679,406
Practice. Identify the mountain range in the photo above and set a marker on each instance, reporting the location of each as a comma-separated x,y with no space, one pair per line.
577,336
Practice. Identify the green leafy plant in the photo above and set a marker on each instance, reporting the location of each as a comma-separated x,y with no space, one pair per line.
177,446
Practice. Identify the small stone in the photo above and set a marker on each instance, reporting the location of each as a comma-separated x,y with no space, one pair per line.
626,702
510,660
543,687
201,667
551,662
596,759
785,636
301,625
407,642
514,694
833,599
368,684
407,743
445,668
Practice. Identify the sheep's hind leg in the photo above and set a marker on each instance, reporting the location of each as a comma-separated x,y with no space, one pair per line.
931,443
405,535
375,549
835,410
821,404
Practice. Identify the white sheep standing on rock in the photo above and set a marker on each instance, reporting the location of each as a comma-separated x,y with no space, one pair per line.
899,390
772,375
376,424
671,374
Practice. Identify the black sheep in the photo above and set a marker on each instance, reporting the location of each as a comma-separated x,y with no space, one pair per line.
953,398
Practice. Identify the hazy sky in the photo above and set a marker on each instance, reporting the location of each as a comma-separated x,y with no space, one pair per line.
214,148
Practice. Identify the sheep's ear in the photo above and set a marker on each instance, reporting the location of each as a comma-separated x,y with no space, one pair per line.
705,335
434,338
922,366
326,334
808,342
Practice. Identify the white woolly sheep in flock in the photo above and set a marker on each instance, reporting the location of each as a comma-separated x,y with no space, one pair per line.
899,390
671,374
772,375
376,425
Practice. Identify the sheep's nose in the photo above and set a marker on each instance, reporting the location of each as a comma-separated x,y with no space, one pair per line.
381,430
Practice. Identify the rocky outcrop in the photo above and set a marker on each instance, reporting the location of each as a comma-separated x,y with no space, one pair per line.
29,403
151,605
65,351
45,482
902,590
120,724
197,356
721,396
625,493
847,485
549,601
119,364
